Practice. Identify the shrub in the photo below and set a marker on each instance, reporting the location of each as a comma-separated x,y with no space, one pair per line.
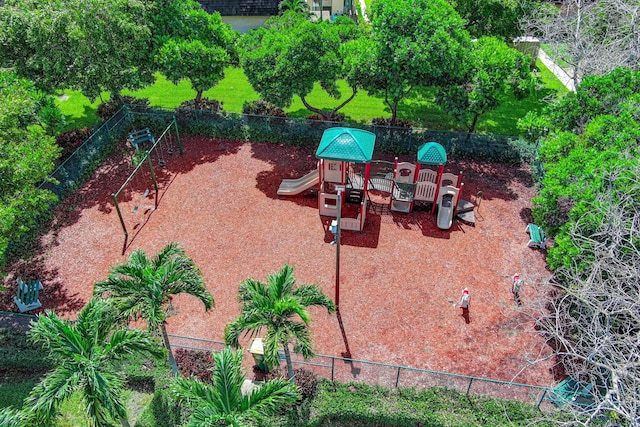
21,356
206,104
260,107
335,117
306,381
71,140
195,363
382,121
108,108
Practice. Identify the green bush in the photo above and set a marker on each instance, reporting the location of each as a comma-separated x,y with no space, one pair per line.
262,108
20,356
107,109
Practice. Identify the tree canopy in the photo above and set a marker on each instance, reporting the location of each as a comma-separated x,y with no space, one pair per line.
496,18
27,155
412,43
494,69
198,50
290,54
92,46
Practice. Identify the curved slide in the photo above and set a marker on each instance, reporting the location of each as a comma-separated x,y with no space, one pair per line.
291,187
445,211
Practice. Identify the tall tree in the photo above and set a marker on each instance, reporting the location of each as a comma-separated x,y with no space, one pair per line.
298,6
495,70
413,43
590,37
495,18
92,46
290,55
279,307
142,288
199,51
223,403
27,156
594,319
85,352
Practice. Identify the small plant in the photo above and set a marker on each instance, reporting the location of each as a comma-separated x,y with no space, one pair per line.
138,157
70,141
195,363
383,121
260,107
108,108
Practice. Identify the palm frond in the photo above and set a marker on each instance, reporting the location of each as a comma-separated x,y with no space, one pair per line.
282,282
271,396
170,250
312,295
227,379
56,387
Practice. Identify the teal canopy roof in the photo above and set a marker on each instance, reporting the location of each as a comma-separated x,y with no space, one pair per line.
347,144
432,153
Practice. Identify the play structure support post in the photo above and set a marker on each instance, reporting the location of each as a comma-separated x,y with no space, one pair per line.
438,181
459,182
153,178
124,227
339,206
175,124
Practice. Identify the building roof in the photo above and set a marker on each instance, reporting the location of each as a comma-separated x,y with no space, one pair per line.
432,153
347,144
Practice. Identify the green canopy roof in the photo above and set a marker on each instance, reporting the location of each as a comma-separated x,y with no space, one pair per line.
432,153
347,144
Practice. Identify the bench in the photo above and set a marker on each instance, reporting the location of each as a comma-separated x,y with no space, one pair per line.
537,239
27,295
138,137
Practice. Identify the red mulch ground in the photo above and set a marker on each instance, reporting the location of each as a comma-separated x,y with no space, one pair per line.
397,277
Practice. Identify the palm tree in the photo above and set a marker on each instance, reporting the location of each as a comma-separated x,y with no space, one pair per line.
297,6
85,353
142,288
10,417
223,403
281,309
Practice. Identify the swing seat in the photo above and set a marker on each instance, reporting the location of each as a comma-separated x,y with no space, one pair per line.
140,136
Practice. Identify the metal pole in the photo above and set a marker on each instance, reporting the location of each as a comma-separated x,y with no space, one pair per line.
398,376
339,206
124,227
333,367
153,177
469,387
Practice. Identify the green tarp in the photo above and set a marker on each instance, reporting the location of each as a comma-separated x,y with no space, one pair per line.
347,144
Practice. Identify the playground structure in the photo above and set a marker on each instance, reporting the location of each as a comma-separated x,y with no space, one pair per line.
138,196
345,165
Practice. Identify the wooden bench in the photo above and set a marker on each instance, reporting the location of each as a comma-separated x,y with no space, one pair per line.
140,136
27,295
537,239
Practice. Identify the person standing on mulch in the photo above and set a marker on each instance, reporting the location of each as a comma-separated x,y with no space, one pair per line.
516,288
465,299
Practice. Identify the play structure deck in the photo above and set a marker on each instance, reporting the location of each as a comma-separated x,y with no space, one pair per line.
345,165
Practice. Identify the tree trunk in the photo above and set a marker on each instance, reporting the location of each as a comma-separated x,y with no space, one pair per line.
323,113
124,422
287,356
167,344
198,99
473,125
393,106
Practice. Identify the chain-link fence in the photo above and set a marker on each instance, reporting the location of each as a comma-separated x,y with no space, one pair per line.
393,376
305,132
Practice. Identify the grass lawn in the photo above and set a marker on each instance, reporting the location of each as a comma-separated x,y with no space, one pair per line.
234,90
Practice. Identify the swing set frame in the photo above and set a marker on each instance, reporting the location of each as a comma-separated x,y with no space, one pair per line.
146,159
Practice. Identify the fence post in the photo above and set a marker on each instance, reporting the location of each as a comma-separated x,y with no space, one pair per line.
175,124
398,376
333,366
469,386
544,393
